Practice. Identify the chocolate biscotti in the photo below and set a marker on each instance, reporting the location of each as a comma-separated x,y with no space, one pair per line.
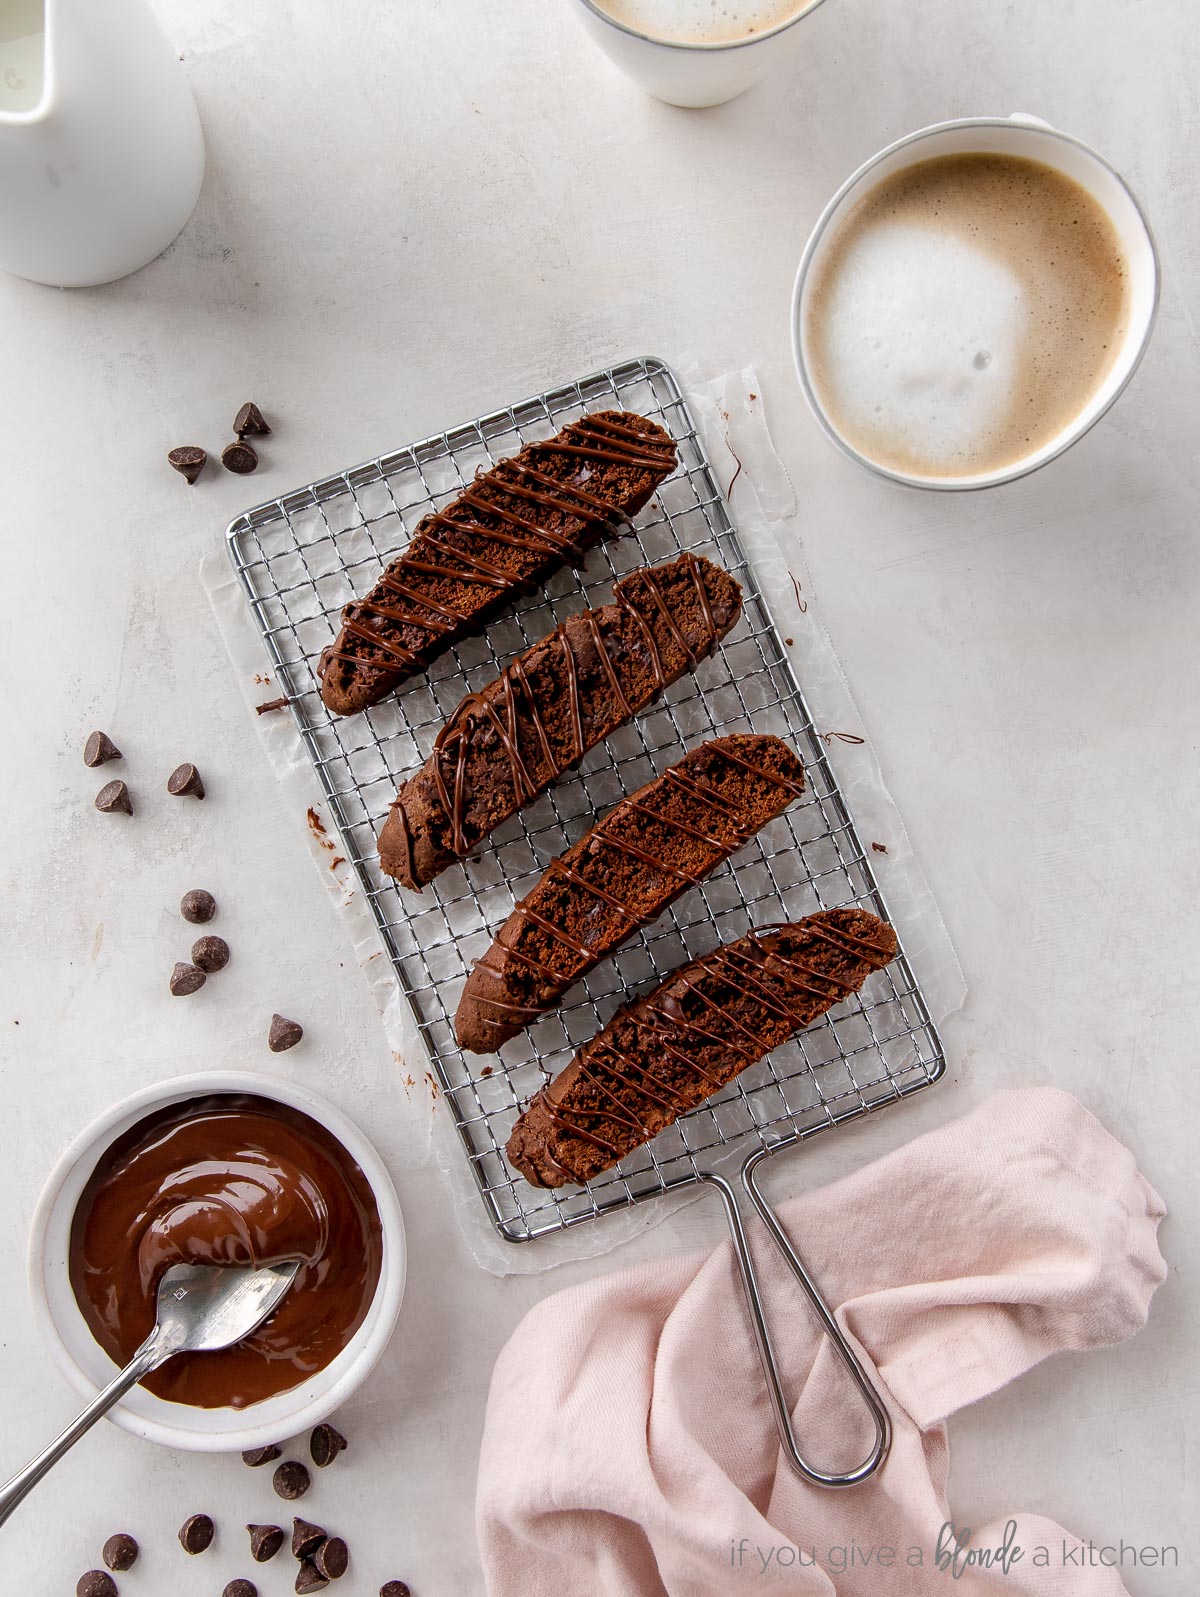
649,849
506,744
659,1057
508,531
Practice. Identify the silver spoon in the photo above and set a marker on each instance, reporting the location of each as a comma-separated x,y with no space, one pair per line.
201,1307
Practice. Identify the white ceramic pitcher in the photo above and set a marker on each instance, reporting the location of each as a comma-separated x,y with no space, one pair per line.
101,153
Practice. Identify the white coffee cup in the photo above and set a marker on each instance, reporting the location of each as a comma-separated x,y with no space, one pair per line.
693,74
1018,135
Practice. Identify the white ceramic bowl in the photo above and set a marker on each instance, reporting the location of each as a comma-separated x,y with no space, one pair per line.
85,1364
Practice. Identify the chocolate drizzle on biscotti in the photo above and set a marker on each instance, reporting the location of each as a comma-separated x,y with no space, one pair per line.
507,743
667,1052
506,533
648,850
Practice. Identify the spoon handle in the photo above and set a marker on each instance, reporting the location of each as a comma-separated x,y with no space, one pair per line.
147,1357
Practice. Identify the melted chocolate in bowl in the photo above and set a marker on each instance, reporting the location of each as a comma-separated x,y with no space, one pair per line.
228,1179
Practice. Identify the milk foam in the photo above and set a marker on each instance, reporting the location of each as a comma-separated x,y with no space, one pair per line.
702,21
964,313
910,363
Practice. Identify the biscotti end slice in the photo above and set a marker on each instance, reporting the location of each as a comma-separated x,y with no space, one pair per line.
507,532
507,743
664,1054
637,860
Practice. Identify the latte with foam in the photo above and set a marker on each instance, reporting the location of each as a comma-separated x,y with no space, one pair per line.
711,22
964,313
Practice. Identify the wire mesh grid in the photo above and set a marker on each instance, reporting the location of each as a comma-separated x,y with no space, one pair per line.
301,557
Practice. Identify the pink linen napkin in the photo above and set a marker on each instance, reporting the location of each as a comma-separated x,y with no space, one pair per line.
629,1449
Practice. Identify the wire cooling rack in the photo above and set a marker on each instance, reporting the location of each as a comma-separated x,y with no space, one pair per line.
301,557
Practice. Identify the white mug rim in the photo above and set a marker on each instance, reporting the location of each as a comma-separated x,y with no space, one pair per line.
1019,469
714,46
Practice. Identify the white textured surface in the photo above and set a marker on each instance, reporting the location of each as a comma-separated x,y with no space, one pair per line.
411,214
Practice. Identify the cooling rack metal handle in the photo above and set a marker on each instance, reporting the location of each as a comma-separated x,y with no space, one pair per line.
762,1331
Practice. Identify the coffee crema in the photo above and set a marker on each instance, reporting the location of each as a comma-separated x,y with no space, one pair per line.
228,1179
711,22
964,313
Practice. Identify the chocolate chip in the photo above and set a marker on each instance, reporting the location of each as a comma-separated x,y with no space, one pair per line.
113,799
325,1444
120,1552
250,420
184,782
188,460
240,1588
196,1533
394,1588
306,1537
96,1583
291,1480
239,456
210,953
265,1540
99,749
284,1034
199,906
309,1578
186,979
332,1558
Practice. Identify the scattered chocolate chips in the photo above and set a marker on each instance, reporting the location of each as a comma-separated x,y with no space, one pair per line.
250,420
332,1558
99,749
284,1034
113,799
184,782
240,1588
186,979
291,1480
188,460
211,954
196,1533
879,848
96,1583
394,1588
309,1578
120,1552
199,906
240,457
306,1537
325,1444
265,1540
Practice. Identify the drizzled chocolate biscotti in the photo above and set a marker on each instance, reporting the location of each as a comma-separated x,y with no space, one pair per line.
508,531
659,1057
646,851
506,744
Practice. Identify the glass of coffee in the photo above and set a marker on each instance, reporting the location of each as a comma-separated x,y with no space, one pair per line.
971,301
695,52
